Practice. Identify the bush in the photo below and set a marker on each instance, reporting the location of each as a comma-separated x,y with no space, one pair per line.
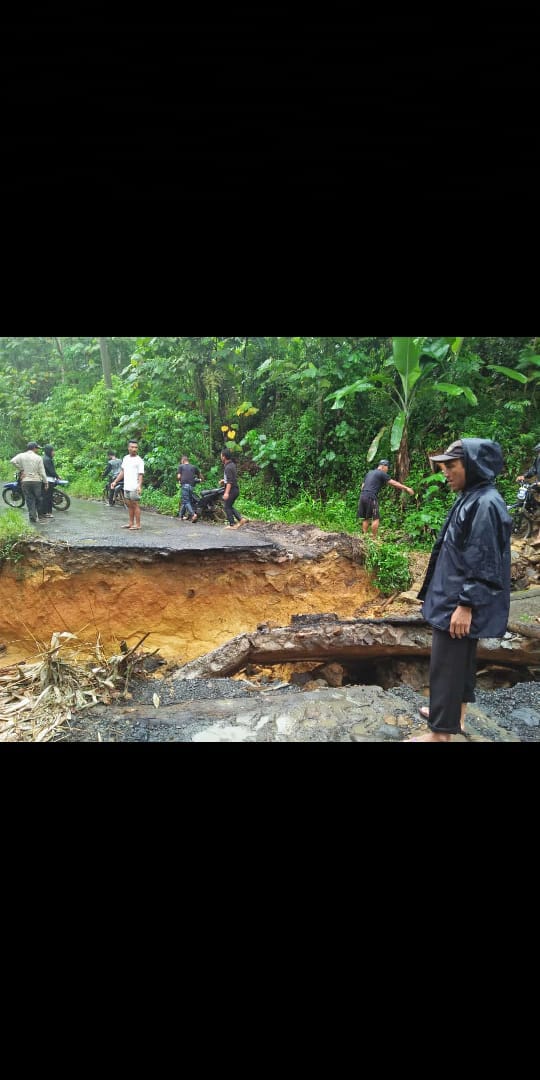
388,567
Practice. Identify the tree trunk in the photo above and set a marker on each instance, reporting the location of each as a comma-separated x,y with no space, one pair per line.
403,460
106,362
61,354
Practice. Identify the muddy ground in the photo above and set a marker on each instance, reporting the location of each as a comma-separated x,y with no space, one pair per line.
280,704
204,592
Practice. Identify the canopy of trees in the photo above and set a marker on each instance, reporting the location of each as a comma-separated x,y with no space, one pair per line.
302,414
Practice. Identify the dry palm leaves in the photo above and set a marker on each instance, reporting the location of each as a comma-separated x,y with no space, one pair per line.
37,697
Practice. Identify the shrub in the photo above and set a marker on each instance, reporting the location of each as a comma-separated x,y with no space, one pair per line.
388,567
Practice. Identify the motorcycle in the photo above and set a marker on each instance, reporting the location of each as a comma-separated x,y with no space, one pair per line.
13,494
117,494
207,503
525,512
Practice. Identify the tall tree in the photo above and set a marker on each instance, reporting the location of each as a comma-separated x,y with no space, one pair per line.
106,362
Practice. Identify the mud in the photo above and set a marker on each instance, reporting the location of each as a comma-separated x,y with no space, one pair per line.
188,602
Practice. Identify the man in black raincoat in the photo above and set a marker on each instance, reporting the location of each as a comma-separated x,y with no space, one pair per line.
466,592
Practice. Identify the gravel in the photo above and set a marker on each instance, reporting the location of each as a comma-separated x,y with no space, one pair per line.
515,709
172,691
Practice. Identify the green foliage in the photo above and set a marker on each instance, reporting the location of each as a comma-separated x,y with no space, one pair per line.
388,566
13,529
165,504
308,413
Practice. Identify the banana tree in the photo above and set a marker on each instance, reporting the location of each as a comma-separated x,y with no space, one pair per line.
411,367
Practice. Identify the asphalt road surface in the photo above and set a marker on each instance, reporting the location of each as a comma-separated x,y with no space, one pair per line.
94,524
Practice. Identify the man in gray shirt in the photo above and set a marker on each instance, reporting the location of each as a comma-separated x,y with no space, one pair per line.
33,475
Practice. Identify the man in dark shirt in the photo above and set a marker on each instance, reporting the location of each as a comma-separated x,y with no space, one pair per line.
368,506
187,475
231,492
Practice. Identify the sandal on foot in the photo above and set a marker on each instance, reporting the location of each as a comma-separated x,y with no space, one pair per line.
424,713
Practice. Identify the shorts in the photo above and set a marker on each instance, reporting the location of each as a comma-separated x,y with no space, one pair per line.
133,496
368,507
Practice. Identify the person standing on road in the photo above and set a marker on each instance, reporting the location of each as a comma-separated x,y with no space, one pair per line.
50,470
368,505
466,591
231,492
132,473
32,476
110,473
187,474
533,471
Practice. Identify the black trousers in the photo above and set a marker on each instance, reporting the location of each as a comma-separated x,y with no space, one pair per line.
452,679
46,500
230,508
32,493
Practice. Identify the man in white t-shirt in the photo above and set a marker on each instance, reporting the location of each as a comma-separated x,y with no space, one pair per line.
132,473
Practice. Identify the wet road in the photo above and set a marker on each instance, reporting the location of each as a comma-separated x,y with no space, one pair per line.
93,524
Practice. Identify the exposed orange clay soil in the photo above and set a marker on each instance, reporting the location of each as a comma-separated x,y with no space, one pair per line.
189,604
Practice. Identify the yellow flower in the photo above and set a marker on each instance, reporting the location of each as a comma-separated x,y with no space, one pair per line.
224,427
231,434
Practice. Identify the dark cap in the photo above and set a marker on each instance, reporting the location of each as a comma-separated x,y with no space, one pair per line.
383,461
452,452
32,446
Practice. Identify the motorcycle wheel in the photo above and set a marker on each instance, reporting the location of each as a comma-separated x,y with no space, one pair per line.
522,527
119,497
13,498
61,501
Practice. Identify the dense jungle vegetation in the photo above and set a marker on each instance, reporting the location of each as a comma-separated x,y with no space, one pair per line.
305,417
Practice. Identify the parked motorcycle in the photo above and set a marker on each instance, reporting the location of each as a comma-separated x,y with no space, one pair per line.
13,494
208,504
525,512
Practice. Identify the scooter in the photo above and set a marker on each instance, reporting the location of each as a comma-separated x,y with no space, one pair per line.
525,511
13,494
208,503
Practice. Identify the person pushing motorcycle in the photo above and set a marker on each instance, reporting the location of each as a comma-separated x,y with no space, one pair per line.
110,473
187,475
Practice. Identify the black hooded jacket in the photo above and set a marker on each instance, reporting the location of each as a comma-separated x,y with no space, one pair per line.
50,467
470,562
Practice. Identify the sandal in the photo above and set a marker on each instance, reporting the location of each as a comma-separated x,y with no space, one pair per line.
424,713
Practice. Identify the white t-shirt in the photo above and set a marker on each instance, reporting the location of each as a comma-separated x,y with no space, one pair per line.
132,467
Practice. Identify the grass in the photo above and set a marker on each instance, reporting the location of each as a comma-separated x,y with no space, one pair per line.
13,529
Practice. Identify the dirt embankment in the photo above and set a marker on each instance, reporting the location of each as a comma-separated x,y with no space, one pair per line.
189,602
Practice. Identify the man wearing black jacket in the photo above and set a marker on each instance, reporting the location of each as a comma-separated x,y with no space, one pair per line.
466,592
46,504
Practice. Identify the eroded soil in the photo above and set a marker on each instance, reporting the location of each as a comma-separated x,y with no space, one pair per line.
188,602
191,602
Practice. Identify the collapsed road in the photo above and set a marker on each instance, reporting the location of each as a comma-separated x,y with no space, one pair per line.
268,598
